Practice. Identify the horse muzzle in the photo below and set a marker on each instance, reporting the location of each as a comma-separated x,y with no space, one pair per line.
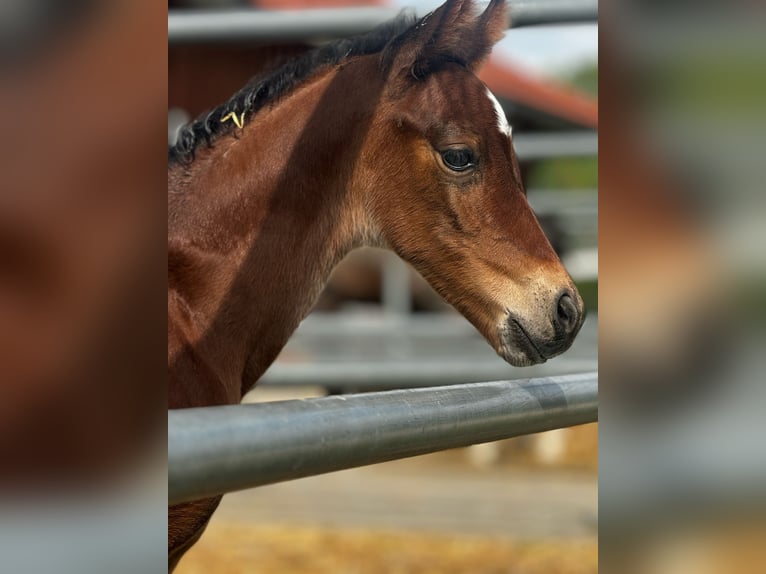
527,342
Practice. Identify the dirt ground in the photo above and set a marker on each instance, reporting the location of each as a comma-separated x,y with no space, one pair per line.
427,515
234,548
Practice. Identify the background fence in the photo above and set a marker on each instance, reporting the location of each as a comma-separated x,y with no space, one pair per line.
245,25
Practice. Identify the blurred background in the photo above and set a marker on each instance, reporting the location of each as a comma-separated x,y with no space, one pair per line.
682,230
523,505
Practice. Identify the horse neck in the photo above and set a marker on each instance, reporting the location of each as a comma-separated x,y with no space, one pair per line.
259,221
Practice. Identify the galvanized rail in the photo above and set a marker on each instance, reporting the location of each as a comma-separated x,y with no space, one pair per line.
248,25
214,450
537,146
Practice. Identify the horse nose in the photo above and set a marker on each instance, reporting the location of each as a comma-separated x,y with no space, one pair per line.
567,316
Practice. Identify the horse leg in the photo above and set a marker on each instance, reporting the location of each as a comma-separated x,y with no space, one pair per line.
186,522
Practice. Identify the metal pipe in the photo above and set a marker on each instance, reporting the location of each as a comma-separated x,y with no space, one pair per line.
537,12
214,450
247,25
395,290
541,145
359,375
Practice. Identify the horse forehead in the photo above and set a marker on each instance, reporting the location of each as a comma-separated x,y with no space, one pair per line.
502,121
471,95
456,95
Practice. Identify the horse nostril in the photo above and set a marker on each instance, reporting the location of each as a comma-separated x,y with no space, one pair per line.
566,314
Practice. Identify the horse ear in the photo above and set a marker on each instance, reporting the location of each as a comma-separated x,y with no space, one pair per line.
488,29
452,33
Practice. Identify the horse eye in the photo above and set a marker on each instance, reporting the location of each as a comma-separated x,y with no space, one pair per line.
459,159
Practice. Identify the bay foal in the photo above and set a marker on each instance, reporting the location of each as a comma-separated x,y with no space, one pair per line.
388,139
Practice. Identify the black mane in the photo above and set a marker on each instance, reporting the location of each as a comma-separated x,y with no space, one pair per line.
267,88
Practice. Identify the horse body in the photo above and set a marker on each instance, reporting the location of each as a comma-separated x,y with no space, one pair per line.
398,145
262,243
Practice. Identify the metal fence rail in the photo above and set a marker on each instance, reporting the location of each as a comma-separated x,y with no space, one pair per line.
358,351
537,146
243,25
214,450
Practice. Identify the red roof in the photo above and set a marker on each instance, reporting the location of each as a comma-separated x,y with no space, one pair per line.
503,79
549,96
306,4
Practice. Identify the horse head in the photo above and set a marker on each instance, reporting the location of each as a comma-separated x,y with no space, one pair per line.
444,190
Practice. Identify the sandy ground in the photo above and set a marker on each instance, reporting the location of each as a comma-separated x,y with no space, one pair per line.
430,514
230,548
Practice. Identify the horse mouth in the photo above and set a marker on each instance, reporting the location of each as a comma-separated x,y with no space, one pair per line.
515,339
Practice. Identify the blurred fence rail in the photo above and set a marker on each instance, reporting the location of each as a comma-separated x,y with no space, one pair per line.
214,450
248,25
537,146
350,351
